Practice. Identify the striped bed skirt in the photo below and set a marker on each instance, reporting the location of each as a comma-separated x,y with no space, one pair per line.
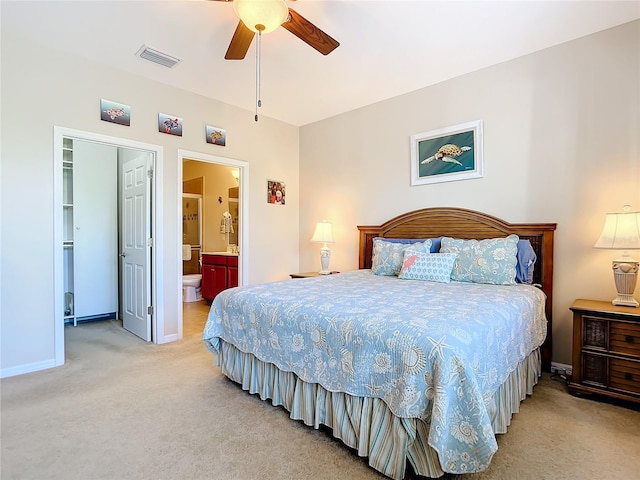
363,423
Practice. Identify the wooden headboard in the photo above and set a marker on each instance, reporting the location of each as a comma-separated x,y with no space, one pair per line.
469,224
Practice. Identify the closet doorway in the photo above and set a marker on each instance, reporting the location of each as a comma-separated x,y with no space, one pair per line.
107,236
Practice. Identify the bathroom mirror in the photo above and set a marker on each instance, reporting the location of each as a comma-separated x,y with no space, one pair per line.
233,210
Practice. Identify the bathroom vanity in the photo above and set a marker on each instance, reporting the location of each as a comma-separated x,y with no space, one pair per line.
219,272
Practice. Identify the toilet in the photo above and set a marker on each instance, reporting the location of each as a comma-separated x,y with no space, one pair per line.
191,287
190,283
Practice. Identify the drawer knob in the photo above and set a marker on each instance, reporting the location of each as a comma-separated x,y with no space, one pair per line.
628,376
628,339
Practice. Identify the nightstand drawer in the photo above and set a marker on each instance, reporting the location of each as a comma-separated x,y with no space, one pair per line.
624,375
595,332
625,338
594,369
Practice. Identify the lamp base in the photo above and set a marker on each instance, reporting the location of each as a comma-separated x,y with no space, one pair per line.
325,255
625,274
625,301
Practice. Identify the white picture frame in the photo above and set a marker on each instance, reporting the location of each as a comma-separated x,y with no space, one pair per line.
447,154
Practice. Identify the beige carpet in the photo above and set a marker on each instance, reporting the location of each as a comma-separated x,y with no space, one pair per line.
124,409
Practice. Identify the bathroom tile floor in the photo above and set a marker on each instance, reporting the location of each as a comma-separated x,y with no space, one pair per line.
194,316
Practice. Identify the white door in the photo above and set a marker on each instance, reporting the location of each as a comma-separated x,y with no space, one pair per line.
95,229
136,245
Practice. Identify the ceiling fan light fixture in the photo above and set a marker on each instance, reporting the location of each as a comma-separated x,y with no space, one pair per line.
262,16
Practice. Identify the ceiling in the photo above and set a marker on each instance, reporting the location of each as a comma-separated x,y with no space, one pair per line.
387,48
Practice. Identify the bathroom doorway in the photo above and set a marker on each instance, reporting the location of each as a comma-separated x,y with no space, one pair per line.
219,185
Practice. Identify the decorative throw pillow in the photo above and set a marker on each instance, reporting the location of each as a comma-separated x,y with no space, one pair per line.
387,256
434,267
526,262
483,261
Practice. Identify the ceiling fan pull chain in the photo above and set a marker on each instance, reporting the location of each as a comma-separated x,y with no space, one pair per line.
259,68
258,72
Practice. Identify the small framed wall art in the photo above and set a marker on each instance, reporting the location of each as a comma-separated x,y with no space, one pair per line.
275,192
115,112
215,135
169,124
447,154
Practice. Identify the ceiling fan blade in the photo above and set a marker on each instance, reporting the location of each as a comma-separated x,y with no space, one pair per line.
309,33
240,42
229,1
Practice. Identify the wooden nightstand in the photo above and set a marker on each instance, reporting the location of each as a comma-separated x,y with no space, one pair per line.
606,350
308,274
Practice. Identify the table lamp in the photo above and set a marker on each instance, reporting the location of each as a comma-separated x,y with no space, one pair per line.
324,235
621,231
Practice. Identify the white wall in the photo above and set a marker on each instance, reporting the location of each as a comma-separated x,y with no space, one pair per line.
41,88
561,144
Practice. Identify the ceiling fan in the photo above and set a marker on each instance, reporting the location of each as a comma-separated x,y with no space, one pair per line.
263,16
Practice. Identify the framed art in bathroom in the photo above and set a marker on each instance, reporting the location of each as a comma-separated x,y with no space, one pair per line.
447,154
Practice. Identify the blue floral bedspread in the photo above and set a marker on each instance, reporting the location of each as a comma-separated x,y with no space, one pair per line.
434,351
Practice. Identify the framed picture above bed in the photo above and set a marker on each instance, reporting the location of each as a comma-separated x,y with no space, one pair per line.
447,154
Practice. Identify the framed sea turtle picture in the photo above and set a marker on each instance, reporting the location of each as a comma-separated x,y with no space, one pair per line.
447,154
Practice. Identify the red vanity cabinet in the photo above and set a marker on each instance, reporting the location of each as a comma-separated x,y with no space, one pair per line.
232,272
219,272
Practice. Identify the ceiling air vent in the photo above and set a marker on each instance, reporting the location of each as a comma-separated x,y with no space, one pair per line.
158,57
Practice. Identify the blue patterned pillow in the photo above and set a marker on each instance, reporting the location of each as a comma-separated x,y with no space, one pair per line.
490,261
435,241
435,267
387,256
526,262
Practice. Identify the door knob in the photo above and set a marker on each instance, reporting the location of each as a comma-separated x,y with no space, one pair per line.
123,254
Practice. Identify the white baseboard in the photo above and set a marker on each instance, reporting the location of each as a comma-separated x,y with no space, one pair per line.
168,339
561,368
27,368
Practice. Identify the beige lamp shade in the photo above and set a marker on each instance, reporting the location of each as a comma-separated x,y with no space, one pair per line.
621,231
323,232
261,15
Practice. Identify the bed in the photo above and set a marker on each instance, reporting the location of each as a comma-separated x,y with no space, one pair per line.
411,373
